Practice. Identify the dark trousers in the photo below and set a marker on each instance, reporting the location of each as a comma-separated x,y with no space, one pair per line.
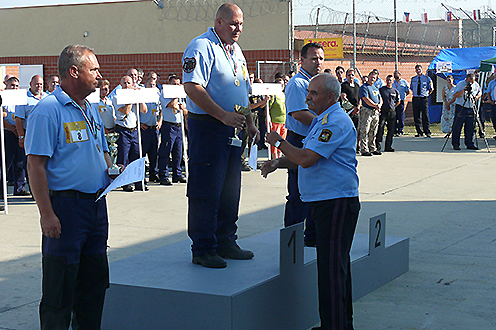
127,145
171,141
214,186
493,115
463,116
421,115
149,146
335,221
296,210
262,126
386,119
75,266
14,160
400,117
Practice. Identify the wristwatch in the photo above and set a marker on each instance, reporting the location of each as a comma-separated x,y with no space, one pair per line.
278,143
21,137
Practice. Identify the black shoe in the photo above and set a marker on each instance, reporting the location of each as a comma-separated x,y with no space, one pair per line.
419,135
180,180
2,207
210,260
389,150
153,178
165,182
245,167
428,136
310,243
456,148
235,252
139,187
22,193
128,188
366,154
377,152
472,148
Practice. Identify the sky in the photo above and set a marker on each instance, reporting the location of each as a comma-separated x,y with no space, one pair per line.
383,8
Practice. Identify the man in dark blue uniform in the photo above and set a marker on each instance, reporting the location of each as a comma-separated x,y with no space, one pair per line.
216,82
298,120
421,86
328,181
65,132
391,99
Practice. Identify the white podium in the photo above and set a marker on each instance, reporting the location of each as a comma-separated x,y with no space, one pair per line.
162,289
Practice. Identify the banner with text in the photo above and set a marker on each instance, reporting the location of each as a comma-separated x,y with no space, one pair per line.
333,47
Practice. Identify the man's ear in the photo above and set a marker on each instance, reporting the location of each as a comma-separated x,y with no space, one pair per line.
74,72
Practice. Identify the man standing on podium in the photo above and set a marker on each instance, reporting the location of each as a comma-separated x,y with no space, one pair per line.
328,182
217,85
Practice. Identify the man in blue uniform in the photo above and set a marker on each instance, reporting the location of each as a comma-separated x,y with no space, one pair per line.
390,100
216,82
328,181
151,122
298,120
464,112
14,154
402,86
126,124
171,138
64,131
105,106
421,86
369,115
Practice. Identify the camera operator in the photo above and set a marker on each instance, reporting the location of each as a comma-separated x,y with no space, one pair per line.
466,93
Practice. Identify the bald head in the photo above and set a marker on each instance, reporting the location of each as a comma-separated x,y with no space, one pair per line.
36,84
126,82
227,10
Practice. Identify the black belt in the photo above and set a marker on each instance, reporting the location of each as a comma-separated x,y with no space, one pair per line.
295,135
125,128
74,194
204,118
420,97
172,124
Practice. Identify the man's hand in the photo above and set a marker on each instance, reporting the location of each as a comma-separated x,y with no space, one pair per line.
269,167
253,132
272,137
233,119
121,169
355,110
21,143
50,226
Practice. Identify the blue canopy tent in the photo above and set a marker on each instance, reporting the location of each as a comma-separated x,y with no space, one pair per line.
462,59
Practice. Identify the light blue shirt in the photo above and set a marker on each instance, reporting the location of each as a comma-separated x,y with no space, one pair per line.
130,120
461,100
23,111
402,87
57,129
379,83
10,110
425,85
106,111
490,89
205,63
333,136
371,92
168,114
296,94
150,118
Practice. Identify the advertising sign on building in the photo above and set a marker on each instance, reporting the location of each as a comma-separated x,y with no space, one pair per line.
333,47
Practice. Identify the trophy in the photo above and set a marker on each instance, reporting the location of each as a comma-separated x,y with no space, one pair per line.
112,139
235,140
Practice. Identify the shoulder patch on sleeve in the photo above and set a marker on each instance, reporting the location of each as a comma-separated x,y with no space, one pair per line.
325,135
189,64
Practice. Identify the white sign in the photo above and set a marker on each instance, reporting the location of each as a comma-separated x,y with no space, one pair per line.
94,97
252,160
173,91
444,67
134,172
266,89
14,97
133,96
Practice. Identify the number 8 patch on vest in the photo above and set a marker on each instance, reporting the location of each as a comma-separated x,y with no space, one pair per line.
75,131
325,135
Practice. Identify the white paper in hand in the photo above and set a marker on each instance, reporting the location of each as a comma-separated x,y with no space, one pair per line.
134,172
252,161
